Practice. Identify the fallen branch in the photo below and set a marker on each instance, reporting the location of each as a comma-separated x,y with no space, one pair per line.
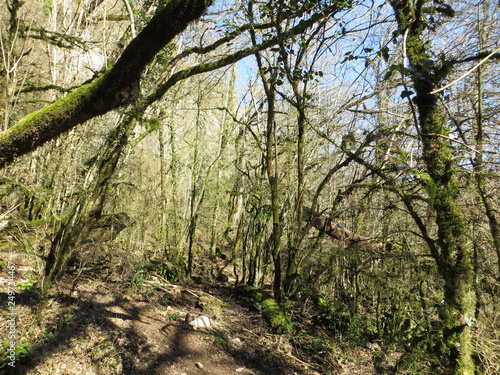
338,232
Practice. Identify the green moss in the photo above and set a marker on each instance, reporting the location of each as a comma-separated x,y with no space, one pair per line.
36,223
39,127
62,104
211,305
277,319
256,294
321,302
270,309
174,317
220,341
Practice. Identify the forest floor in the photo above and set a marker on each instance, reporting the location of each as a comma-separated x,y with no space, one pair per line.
97,324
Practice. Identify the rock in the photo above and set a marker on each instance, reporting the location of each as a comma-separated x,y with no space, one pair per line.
210,305
201,321
374,346
222,277
199,364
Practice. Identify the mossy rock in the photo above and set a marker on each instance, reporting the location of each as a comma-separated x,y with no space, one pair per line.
210,305
258,295
270,309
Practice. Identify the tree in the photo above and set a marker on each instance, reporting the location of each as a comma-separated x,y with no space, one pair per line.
453,251
114,88
357,185
120,85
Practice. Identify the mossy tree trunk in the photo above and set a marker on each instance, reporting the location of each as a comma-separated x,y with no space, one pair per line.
271,165
454,250
117,87
270,309
88,209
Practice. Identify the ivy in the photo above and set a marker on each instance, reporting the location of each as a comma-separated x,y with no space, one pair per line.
397,68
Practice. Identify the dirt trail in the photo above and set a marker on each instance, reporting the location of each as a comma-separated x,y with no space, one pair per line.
95,326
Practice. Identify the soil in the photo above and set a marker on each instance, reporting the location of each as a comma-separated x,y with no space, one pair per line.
97,324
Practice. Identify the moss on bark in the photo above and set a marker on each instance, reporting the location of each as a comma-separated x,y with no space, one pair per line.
454,255
117,87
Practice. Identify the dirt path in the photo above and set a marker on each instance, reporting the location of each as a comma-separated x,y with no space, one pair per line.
96,326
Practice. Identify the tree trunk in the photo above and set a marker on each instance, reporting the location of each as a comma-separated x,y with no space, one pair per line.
87,210
272,175
271,165
174,252
115,88
193,206
454,259
164,237
478,163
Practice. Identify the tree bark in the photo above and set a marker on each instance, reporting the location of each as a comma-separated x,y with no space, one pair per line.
115,88
454,257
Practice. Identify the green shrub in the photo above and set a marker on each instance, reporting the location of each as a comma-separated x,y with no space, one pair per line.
358,330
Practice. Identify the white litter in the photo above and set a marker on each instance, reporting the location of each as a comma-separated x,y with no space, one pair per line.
201,321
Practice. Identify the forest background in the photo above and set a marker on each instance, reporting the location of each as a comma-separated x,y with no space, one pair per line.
343,153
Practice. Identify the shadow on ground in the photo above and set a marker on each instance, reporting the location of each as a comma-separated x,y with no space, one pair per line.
104,331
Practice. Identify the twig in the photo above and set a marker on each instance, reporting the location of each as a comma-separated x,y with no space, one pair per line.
301,361
466,73
453,140
8,212
156,285
131,15
165,280
405,58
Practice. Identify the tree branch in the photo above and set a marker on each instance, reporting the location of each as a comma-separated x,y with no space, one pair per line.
338,232
117,87
120,85
300,28
495,52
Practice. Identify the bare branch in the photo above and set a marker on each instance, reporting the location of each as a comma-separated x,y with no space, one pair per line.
468,72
